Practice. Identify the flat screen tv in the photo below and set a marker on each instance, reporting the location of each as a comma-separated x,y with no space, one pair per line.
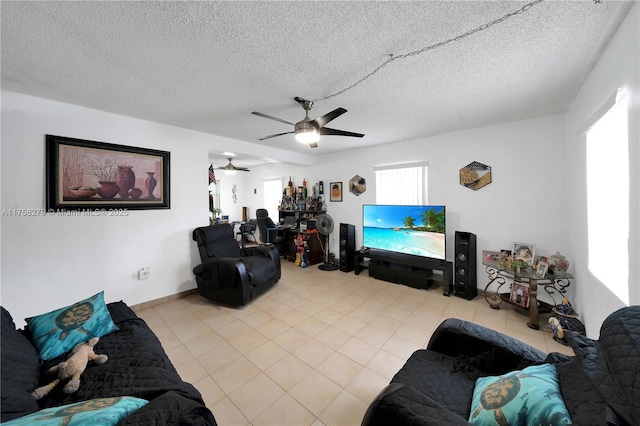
414,230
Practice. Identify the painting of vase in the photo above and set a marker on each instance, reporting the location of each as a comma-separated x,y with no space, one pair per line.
126,180
84,174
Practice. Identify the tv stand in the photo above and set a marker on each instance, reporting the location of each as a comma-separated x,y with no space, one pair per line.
413,271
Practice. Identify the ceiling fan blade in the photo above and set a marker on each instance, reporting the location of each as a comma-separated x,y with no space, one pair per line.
271,117
333,132
273,136
321,121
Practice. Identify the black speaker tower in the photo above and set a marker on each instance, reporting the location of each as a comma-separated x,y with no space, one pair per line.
465,283
347,247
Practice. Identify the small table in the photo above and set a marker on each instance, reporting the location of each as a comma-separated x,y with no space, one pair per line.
552,284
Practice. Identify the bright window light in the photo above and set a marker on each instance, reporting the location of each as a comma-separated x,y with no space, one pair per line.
608,198
272,194
404,184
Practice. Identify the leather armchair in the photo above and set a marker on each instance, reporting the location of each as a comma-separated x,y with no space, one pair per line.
229,274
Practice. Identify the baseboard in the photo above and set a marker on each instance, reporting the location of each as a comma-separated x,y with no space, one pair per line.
152,303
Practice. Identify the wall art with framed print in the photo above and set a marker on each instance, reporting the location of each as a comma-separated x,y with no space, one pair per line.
90,175
524,251
520,294
335,191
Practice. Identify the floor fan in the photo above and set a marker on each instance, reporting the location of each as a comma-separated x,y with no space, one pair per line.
324,223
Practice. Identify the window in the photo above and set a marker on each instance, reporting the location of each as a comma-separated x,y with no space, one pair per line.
607,146
272,194
404,184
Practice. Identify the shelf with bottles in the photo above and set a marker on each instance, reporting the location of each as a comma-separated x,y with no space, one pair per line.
299,198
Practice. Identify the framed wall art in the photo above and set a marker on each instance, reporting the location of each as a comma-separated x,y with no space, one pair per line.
475,175
91,175
335,191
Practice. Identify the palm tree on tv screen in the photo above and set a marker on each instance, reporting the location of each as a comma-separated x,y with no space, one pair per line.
432,220
409,222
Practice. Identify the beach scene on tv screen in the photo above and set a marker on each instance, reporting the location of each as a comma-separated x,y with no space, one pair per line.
417,230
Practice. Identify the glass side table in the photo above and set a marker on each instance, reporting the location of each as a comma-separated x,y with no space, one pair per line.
495,293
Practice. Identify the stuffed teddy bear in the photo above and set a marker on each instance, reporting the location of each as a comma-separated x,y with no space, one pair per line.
72,368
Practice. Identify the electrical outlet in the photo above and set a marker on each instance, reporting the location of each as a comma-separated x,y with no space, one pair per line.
144,273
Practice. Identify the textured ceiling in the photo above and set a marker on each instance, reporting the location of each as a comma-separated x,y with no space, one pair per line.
206,65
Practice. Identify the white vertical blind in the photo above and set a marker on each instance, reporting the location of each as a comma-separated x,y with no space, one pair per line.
404,184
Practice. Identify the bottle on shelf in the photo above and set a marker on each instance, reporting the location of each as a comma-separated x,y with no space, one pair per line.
290,188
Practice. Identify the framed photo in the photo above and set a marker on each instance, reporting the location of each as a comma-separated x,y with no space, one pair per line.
524,251
98,176
491,257
520,294
542,269
335,191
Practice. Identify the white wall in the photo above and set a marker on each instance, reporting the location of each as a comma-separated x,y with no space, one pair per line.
49,261
618,67
525,201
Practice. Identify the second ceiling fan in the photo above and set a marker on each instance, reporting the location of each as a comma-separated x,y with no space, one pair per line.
230,168
307,130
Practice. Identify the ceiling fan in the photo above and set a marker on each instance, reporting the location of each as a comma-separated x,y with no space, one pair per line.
230,168
307,130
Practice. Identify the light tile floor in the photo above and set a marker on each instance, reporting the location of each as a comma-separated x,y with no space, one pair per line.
317,348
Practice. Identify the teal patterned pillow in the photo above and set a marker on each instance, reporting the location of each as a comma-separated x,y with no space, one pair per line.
58,331
101,411
527,397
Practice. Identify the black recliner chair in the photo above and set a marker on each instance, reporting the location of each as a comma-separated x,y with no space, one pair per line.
229,274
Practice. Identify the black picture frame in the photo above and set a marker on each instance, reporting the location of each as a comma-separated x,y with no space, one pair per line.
80,175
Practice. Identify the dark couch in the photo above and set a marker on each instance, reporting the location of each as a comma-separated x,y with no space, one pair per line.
231,275
137,366
600,385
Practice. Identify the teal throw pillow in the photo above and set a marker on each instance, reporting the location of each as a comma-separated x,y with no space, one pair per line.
527,397
58,331
101,411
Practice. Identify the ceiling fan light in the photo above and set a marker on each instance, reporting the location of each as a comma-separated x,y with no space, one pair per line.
230,172
306,133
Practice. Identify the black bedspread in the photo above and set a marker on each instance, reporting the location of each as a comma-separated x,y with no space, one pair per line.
601,385
137,366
